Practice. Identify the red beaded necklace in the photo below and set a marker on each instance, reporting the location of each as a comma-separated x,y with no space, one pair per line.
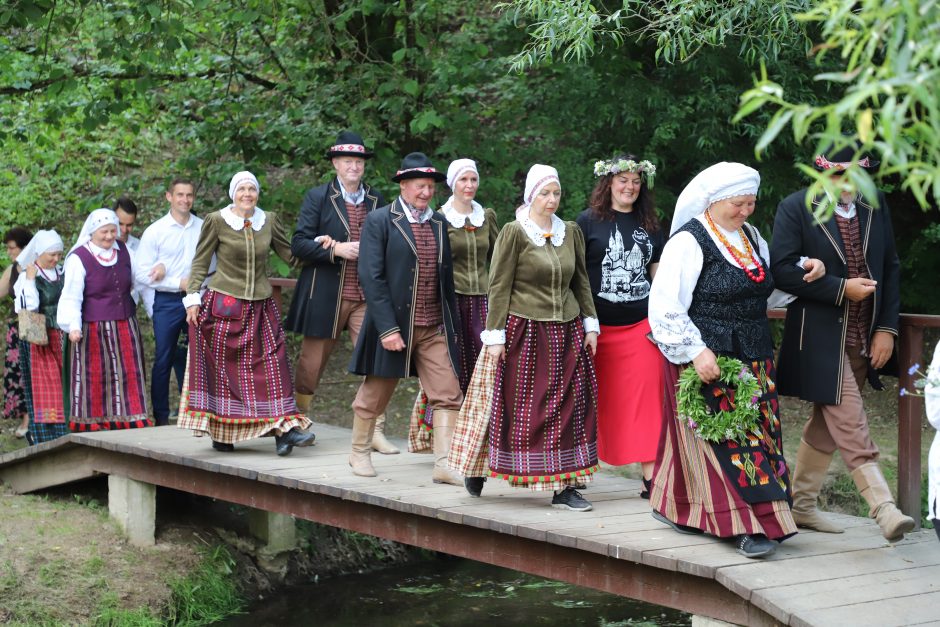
743,258
109,258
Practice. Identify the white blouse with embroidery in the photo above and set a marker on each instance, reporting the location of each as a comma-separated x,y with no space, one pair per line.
69,313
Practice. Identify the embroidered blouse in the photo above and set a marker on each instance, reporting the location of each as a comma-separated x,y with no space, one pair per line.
69,313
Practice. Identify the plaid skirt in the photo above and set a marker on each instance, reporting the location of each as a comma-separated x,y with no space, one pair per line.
107,378
14,396
238,382
700,484
471,321
469,448
543,429
44,369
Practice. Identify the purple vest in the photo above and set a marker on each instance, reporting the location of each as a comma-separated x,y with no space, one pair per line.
107,289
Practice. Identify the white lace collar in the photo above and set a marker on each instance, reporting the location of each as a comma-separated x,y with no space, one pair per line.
238,222
458,220
537,235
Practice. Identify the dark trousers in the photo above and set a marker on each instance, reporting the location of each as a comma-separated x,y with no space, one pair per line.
169,322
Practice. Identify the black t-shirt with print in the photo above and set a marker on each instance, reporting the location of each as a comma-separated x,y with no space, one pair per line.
619,253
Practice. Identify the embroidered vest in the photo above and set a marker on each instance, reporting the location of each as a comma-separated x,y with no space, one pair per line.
107,289
427,311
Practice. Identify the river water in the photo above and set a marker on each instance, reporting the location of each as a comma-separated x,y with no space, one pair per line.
452,593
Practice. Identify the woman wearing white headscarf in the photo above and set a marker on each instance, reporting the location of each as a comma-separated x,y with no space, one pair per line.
472,232
540,337
44,367
97,310
239,384
709,298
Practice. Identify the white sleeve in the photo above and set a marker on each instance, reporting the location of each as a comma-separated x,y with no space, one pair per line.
25,294
146,257
135,290
670,297
778,299
69,313
932,390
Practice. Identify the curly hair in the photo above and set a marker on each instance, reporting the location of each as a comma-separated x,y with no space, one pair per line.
602,207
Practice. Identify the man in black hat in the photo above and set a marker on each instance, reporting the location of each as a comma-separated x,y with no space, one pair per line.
328,297
839,332
406,274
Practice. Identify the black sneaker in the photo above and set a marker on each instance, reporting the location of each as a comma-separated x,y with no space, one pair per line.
569,498
474,485
689,531
224,447
754,546
284,444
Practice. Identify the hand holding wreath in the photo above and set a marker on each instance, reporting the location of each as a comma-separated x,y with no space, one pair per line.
726,409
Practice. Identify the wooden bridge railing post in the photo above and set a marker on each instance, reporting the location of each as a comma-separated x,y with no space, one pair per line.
910,410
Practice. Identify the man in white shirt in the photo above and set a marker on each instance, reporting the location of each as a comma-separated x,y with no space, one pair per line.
126,210
163,262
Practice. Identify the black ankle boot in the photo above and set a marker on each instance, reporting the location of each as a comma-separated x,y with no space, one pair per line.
474,485
224,447
647,488
284,444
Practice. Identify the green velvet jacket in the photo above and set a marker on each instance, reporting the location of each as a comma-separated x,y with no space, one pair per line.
471,252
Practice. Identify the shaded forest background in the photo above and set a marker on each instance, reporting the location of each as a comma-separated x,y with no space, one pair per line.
102,99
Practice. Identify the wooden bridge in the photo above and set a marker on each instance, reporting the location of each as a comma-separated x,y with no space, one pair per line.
813,579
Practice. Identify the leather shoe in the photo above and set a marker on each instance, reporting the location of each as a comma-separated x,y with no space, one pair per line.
224,447
284,444
474,485
689,531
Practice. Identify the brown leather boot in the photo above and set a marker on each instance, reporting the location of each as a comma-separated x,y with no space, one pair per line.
871,483
379,442
303,402
442,433
361,457
806,481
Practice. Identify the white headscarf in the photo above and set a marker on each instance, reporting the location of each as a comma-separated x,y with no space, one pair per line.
42,242
242,177
538,177
95,220
714,183
458,167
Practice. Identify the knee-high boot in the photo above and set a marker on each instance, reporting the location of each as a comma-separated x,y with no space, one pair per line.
379,442
871,483
442,433
303,402
361,457
807,481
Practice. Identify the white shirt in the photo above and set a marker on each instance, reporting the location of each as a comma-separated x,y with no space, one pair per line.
173,244
69,314
133,243
25,292
671,293
423,217
932,399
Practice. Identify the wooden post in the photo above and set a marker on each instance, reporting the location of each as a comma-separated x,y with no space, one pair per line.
910,408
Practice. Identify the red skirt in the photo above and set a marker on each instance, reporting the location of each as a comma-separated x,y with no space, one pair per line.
629,394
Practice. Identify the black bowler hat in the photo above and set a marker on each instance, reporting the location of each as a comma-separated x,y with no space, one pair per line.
416,165
349,144
839,160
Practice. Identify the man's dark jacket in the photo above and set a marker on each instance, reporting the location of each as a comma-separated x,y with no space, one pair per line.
388,274
812,354
314,309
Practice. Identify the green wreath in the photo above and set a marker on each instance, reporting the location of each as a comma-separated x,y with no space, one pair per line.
742,391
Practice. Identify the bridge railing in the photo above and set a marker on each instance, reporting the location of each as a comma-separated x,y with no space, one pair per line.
910,408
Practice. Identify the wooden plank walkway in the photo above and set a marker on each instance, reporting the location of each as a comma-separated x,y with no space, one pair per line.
855,578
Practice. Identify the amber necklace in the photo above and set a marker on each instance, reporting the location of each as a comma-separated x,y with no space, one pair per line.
743,258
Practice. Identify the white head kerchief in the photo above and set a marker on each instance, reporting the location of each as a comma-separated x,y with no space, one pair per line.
42,242
95,220
458,167
238,179
538,177
714,183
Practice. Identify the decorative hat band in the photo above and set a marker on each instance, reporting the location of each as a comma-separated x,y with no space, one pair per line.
825,164
426,170
348,148
646,169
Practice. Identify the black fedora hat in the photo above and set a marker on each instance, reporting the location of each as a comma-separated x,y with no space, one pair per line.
349,144
832,159
416,165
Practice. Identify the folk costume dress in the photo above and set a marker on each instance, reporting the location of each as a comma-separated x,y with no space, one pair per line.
107,381
44,367
629,366
702,298
14,396
239,384
543,410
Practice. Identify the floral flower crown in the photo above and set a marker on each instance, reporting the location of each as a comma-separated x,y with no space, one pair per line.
615,166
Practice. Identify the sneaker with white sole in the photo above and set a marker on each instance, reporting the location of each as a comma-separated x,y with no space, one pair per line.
571,499
754,546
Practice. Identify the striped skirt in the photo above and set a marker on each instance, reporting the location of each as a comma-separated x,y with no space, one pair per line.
107,379
239,383
44,370
711,486
543,429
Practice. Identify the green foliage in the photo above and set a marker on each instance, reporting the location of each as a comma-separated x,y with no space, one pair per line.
742,390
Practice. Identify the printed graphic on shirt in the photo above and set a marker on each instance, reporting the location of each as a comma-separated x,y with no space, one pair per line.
623,270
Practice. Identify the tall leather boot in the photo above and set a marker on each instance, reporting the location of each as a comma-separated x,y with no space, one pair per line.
442,433
871,483
379,442
303,402
361,457
806,481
